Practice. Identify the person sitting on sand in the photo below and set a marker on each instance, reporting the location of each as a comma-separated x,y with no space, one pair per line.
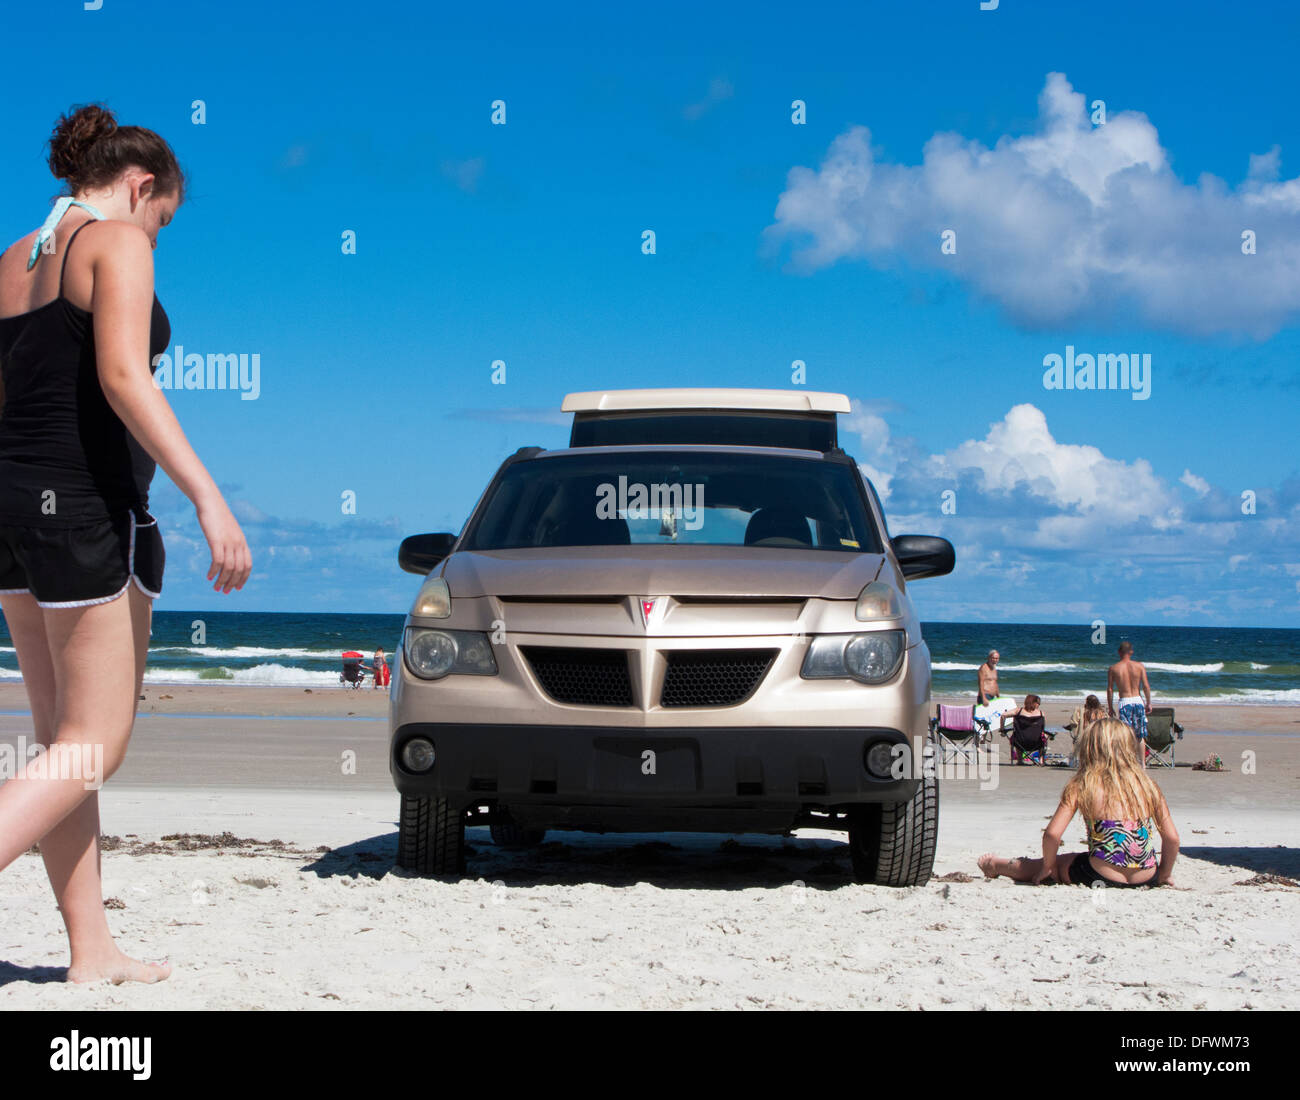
1122,808
987,678
1028,734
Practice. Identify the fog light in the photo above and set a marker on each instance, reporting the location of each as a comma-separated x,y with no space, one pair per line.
879,759
417,755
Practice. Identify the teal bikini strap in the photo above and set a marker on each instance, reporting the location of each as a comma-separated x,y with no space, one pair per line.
56,215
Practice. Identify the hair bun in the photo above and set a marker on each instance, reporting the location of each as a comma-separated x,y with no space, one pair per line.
74,134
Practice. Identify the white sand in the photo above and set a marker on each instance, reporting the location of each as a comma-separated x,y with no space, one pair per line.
624,922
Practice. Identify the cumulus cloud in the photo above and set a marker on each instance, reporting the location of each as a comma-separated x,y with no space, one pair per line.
1064,529
875,455
1019,454
1197,484
1073,222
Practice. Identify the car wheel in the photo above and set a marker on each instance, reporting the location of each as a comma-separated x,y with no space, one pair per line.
506,834
893,844
431,837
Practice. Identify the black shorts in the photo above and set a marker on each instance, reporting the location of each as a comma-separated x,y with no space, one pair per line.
79,566
1083,873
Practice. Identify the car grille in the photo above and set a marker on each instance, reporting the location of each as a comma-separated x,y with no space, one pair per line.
714,677
582,677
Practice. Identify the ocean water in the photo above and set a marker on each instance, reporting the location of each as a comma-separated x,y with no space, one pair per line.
1224,664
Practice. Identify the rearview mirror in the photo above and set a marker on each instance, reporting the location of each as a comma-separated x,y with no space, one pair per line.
420,553
923,555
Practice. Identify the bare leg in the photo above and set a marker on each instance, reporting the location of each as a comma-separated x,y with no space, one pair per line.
1023,869
80,706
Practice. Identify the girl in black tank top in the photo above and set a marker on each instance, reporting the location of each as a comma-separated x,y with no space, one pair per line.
75,529
80,556
58,433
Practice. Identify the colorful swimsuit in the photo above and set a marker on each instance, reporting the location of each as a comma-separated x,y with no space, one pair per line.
1118,844
1128,844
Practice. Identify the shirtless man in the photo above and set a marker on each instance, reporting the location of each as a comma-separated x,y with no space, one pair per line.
988,678
1128,677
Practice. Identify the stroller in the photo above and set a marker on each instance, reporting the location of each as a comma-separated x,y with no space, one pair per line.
354,672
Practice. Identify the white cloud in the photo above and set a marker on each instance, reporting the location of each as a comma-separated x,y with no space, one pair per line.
1197,484
1069,223
876,456
1020,454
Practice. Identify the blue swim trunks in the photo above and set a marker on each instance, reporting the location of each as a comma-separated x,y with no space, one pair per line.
1134,715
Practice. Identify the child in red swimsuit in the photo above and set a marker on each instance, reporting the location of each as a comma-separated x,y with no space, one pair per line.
382,674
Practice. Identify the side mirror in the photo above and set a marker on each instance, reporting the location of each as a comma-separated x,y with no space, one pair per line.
923,555
420,553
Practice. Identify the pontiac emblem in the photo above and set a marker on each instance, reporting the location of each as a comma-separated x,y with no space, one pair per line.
649,605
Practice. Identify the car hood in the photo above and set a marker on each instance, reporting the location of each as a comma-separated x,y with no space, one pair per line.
660,571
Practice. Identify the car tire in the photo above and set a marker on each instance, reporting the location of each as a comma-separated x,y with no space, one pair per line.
893,844
431,837
506,834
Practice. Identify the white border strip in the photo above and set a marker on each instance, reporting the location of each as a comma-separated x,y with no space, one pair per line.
130,564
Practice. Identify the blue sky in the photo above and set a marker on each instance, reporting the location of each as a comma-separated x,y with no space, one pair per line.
522,243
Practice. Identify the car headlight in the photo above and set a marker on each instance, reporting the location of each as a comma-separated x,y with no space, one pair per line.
433,601
868,658
877,601
433,654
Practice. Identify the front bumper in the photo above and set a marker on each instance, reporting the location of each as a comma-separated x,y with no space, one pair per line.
780,769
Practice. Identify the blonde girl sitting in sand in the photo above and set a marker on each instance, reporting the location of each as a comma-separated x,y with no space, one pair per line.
1122,808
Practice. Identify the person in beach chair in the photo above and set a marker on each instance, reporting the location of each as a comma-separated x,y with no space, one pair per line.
354,672
1163,733
1121,807
1029,734
958,733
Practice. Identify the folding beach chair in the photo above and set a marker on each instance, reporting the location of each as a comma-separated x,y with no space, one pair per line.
958,733
1163,733
1029,751
354,672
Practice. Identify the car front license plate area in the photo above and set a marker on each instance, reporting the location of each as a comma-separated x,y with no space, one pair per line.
643,765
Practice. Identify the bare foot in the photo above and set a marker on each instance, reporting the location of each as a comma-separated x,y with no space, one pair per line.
118,969
991,865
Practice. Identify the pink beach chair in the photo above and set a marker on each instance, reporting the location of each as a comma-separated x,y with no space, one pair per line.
958,733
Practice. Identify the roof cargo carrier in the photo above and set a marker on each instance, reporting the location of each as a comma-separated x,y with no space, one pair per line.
804,420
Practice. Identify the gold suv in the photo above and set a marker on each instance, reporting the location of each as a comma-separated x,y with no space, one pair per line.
691,618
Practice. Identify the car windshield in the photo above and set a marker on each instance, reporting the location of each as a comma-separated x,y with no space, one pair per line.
675,497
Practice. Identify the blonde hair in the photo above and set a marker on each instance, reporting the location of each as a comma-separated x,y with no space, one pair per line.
1111,782
1092,710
